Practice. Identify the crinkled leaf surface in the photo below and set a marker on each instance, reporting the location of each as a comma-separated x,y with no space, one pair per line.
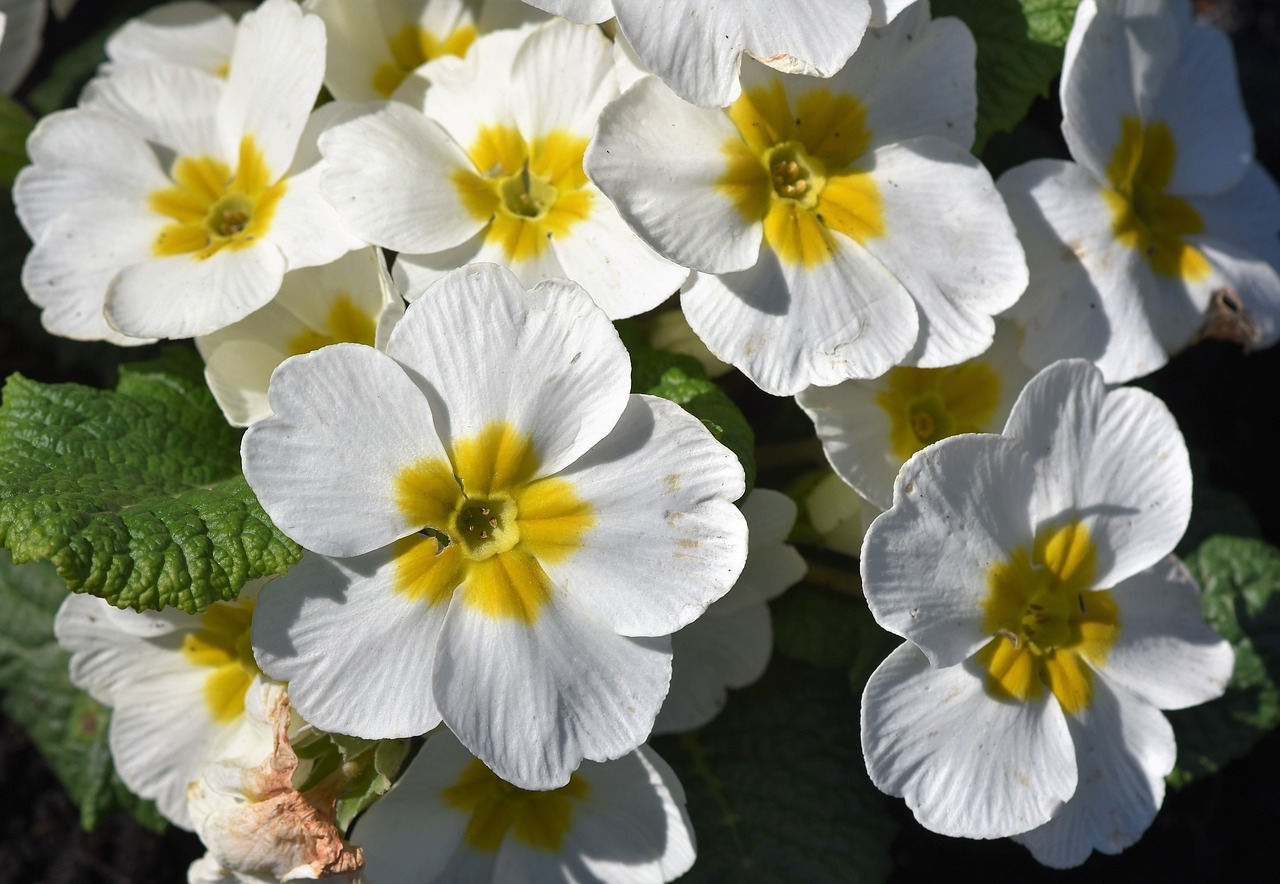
1241,582
776,786
68,726
135,494
1019,53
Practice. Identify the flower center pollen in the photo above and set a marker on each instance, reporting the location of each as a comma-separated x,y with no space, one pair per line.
795,174
486,527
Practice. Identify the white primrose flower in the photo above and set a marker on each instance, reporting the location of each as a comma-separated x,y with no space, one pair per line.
374,45
697,47
839,227
869,428
449,818
187,32
491,171
1047,623
245,805
730,644
840,515
516,535
176,683
352,299
173,202
1164,225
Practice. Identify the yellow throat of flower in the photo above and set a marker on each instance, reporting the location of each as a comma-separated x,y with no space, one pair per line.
928,404
796,169
1047,622
538,819
222,645
1143,216
411,46
344,322
490,525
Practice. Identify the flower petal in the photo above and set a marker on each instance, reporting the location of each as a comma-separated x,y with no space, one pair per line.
170,105
193,33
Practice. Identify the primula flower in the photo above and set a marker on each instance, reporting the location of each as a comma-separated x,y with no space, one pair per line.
493,172
172,204
729,645
374,45
1164,225
176,684
1047,623
869,428
189,32
352,299
696,48
839,227
449,818
839,514
518,534
246,807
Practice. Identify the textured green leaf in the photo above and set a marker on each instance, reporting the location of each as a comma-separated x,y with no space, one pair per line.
707,402
1019,53
68,727
776,786
1241,581
136,495
818,626
15,126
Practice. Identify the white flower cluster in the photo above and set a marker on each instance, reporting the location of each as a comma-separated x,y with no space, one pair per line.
512,554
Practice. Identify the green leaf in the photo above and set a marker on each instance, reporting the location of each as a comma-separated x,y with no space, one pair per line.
1019,53
135,495
68,727
1241,581
707,402
15,126
369,768
776,786
818,626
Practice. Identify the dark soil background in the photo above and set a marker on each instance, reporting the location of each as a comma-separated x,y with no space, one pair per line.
1222,828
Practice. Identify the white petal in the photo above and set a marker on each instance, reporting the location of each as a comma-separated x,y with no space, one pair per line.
773,565
1165,652
533,700
1088,295
347,421
787,327
355,49
1253,278
168,104
1124,750
20,40
950,242
665,541
658,159
1113,460
554,368
960,506
388,176
192,33
588,12
697,48
466,95
277,66
76,153
968,765
561,78
356,653
719,650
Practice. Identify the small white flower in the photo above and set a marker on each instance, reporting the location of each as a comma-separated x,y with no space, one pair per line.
352,299
519,535
176,684
188,32
697,47
1047,623
869,428
173,202
449,818
839,227
1164,219
840,515
730,644
490,170
375,44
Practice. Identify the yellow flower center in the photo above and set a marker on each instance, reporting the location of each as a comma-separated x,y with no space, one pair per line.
489,526
214,209
530,193
1143,216
222,644
538,819
928,404
1047,621
796,169
344,322
412,46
